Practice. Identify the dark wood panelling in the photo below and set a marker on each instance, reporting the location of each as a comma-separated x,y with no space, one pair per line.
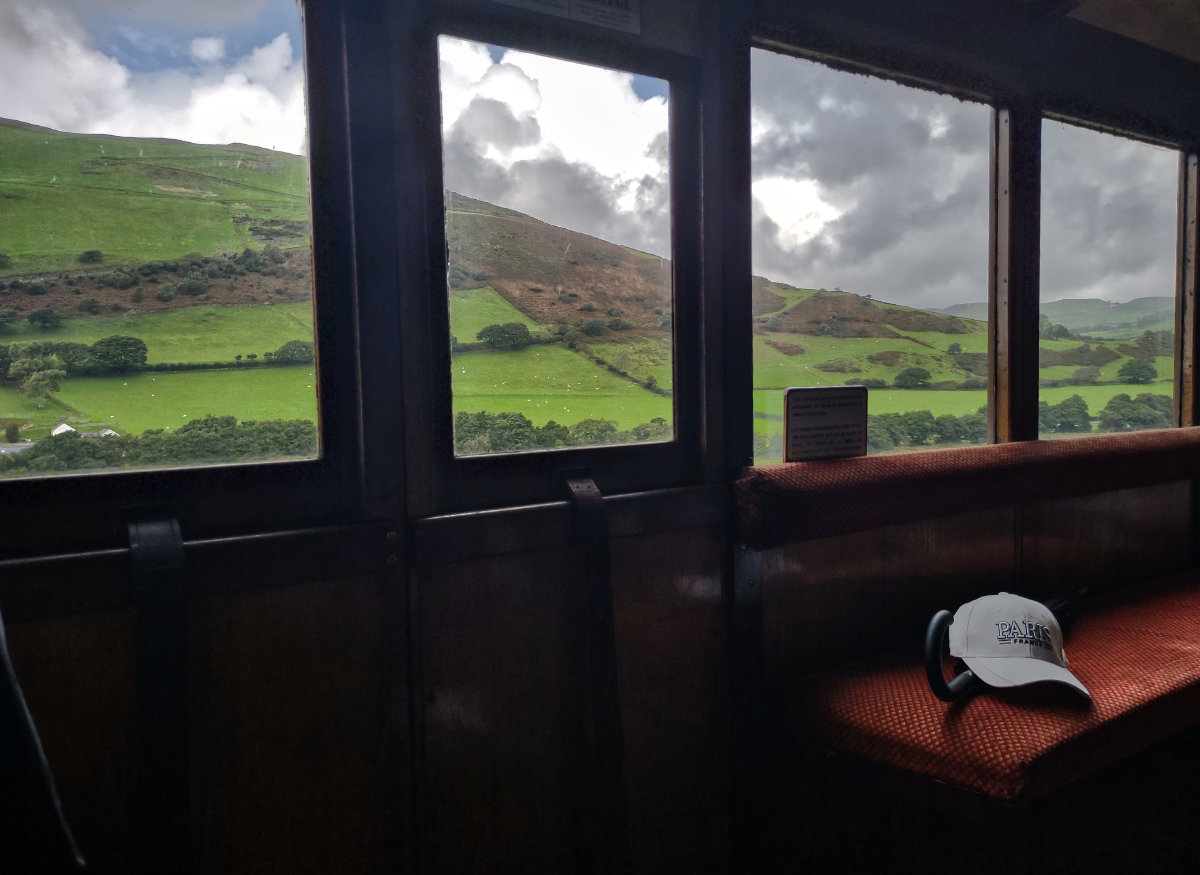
288,728
500,683
501,678
1108,540
288,695
77,674
672,657
828,600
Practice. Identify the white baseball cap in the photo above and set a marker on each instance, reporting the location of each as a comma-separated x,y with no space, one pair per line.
1009,641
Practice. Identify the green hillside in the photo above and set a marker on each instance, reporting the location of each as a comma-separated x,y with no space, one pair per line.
202,252
138,200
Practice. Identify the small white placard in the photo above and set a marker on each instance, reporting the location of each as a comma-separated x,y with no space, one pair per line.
623,15
825,422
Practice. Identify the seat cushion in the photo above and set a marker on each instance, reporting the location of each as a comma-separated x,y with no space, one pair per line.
1138,653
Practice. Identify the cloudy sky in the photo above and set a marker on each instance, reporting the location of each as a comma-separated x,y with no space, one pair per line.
858,183
877,188
577,146
215,72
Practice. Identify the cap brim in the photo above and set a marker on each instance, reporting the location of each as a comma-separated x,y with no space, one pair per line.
1007,671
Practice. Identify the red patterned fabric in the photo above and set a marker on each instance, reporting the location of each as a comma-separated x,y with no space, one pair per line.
1139,655
782,504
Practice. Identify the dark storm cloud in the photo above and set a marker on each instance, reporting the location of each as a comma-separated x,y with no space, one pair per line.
571,195
1108,215
906,170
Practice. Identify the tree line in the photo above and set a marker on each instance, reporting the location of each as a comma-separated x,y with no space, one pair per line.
484,432
213,439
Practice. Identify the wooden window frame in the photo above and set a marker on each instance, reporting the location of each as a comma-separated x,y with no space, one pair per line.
1015,207
81,511
439,481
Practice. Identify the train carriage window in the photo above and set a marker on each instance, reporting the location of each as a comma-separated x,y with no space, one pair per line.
870,251
558,233
156,291
1107,321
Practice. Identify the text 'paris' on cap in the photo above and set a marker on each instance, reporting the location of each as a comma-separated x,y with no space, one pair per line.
1009,641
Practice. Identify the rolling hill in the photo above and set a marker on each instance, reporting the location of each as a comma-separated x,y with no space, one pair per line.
1093,317
160,216
138,200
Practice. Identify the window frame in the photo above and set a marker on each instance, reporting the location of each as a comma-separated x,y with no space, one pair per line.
1183,338
80,511
1018,110
440,481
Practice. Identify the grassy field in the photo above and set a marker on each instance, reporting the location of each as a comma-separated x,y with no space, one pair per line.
551,382
472,310
141,401
957,403
197,334
640,358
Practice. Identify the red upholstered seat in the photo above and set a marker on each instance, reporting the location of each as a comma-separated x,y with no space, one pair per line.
783,504
1138,654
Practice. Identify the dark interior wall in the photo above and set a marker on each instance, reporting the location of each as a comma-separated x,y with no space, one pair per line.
288,756
501,780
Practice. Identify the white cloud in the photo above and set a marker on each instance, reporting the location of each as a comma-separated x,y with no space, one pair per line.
52,74
207,49
48,73
568,143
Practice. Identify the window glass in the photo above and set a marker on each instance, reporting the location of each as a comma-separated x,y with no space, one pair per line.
155,243
870,248
1107,321
558,242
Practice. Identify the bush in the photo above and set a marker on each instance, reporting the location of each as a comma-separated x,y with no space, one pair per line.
5,261
194,285
295,352
1138,371
594,328
912,378
35,289
165,292
91,256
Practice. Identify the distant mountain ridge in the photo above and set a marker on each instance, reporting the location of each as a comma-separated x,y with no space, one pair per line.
1094,317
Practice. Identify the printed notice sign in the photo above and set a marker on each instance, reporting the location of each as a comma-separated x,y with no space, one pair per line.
825,422
624,15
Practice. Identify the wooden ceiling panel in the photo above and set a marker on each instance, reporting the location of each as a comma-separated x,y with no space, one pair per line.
1170,25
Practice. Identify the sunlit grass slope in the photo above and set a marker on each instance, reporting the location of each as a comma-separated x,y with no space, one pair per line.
134,199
